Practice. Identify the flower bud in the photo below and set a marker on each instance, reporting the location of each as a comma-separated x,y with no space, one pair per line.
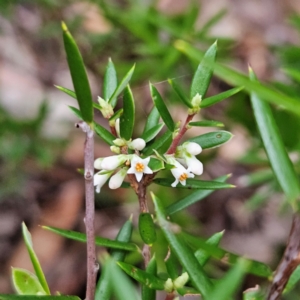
97,163
119,142
106,108
180,281
137,144
192,148
115,149
117,126
116,180
112,162
100,179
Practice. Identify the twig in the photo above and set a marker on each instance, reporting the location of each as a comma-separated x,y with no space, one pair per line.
92,265
289,262
180,134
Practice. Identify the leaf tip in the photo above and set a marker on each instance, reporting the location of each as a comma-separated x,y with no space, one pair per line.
64,26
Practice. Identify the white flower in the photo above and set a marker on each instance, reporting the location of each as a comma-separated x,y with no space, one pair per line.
180,173
116,180
112,162
139,167
194,165
137,144
100,179
97,163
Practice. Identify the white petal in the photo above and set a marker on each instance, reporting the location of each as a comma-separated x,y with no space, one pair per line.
116,180
112,162
137,144
194,165
174,184
138,176
131,170
97,163
148,170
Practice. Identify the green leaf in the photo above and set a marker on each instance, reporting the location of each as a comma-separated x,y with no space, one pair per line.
212,139
99,241
254,294
26,283
76,111
278,157
152,132
34,260
67,91
192,198
172,265
158,143
204,72
110,81
113,98
143,277
180,93
183,253
207,123
235,78
122,287
257,268
155,164
127,118
194,184
116,115
217,98
152,119
79,76
293,280
214,240
226,287
31,297
104,286
104,134
147,293
162,108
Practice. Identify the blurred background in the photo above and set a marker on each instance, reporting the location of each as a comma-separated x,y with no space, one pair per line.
40,150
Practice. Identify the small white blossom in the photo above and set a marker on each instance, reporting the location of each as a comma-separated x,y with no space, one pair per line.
112,162
180,173
116,180
139,167
100,179
194,165
98,162
137,144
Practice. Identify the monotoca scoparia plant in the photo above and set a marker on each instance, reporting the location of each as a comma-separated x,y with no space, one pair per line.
136,162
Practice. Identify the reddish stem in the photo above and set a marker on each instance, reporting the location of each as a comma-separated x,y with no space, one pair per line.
180,134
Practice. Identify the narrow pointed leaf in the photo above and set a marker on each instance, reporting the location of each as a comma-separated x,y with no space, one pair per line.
226,287
148,293
110,81
257,268
67,91
194,184
127,118
155,164
122,287
207,123
121,87
293,280
34,259
26,283
212,139
183,253
214,240
180,93
152,132
104,134
192,198
76,111
172,265
217,98
152,119
151,281
277,154
158,143
235,78
100,241
204,72
79,76
104,288
254,293
162,108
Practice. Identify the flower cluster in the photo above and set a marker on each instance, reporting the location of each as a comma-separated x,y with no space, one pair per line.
185,163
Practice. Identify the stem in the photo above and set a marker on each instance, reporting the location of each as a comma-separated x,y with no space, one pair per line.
180,134
289,261
92,265
170,296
